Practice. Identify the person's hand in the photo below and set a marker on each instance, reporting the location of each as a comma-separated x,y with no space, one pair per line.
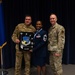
57,54
30,50
17,41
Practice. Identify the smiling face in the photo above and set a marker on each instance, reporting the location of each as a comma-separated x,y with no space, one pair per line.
53,19
38,25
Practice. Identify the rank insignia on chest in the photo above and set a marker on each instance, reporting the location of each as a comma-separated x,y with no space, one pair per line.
38,36
26,41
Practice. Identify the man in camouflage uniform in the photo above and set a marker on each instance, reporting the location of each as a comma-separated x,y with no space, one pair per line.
56,38
22,27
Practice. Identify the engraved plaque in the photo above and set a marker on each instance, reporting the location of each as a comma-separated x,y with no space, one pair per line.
26,41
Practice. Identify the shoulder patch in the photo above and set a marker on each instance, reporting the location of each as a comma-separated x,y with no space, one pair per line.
45,37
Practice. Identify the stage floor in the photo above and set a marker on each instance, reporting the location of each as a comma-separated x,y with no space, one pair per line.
68,70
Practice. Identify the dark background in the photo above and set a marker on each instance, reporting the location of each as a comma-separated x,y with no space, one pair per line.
15,11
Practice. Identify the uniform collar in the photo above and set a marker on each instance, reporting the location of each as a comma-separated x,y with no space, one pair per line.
28,25
39,30
54,26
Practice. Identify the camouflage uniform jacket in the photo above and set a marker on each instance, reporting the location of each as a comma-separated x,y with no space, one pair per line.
21,28
56,38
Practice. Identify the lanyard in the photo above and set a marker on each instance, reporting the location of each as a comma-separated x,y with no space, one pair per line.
37,32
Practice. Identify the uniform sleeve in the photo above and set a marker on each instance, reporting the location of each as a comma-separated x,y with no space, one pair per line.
61,39
42,42
15,33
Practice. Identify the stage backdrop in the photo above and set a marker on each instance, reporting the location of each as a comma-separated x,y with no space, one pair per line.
15,10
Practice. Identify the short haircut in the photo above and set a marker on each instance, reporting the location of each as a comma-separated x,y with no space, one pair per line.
28,16
53,14
39,21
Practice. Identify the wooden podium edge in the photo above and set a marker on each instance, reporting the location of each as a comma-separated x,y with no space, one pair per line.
3,45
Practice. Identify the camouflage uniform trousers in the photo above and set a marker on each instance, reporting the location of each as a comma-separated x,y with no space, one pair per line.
56,63
19,56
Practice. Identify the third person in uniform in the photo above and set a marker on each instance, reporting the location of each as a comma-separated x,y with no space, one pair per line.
56,39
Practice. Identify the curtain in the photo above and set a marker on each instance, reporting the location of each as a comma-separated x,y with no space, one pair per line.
15,11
